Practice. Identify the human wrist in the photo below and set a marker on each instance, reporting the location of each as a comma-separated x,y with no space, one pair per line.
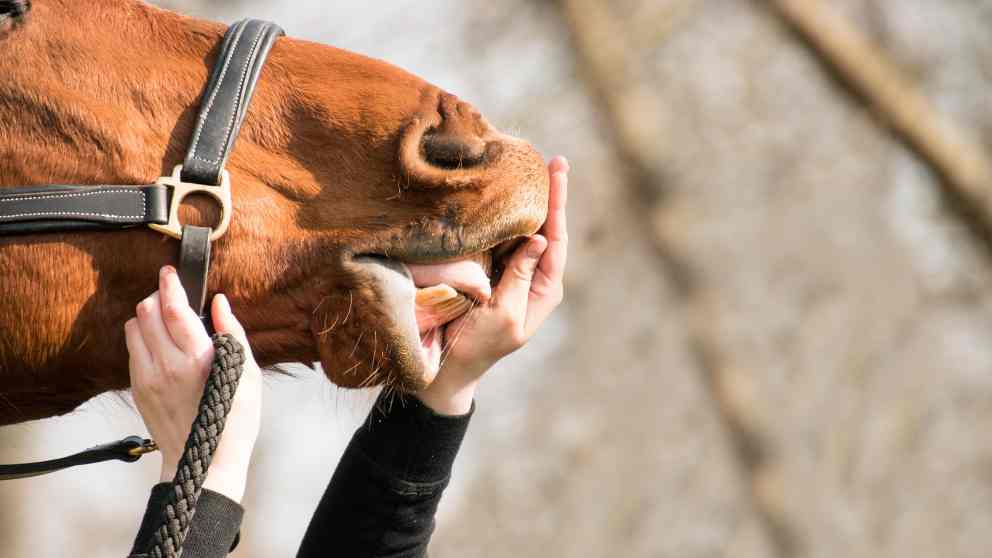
169,466
227,479
227,474
451,398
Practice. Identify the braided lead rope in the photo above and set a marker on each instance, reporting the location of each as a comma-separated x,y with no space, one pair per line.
218,395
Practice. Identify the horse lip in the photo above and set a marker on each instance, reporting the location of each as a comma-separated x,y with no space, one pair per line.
385,267
416,253
397,293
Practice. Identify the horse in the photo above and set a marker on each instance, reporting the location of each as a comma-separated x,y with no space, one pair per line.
358,189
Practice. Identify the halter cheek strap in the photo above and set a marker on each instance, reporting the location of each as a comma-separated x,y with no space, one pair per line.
225,101
222,110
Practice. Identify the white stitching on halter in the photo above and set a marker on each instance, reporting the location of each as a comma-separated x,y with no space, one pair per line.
238,100
213,97
128,192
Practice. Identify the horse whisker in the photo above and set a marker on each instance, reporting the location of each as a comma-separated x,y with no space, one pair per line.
351,302
357,341
458,333
326,329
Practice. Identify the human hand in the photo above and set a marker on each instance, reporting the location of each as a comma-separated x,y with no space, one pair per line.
170,356
529,290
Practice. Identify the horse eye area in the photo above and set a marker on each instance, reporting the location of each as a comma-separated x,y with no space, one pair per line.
449,151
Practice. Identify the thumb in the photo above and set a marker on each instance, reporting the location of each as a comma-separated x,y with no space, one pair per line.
224,320
514,287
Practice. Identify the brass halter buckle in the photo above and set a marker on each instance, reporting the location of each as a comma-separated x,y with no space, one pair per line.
221,193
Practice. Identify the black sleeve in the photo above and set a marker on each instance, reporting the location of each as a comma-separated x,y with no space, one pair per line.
214,531
382,498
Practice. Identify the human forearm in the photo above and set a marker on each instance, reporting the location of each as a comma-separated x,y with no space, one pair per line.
383,496
215,527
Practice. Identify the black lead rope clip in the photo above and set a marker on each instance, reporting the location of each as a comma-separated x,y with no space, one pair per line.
127,449
136,447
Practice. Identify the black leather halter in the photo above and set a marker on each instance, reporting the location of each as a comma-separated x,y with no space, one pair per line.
57,208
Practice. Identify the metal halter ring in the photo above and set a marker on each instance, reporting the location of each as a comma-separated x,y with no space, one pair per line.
221,193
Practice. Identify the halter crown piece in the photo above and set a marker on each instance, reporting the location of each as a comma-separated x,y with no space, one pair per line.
58,208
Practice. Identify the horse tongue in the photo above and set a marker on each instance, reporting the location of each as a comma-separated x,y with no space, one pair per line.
468,276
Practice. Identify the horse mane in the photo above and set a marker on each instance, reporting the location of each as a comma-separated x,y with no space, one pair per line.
14,8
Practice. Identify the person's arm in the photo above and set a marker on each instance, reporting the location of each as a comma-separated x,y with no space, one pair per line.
384,493
170,355
383,496
215,527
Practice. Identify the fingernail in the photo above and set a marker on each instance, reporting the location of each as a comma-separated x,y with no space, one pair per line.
166,270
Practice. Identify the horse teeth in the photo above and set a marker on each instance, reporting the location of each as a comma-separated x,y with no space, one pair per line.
439,305
455,306
451,309
431,296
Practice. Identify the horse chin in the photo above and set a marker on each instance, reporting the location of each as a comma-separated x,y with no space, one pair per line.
394,330
371,338
416,365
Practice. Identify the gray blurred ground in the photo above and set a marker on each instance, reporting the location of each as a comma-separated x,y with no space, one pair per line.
786,354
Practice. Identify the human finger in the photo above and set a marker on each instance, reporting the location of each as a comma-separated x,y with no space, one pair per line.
182,323
224,320
140,357
514,287
153,331
546,293
552,266
558,163
554,226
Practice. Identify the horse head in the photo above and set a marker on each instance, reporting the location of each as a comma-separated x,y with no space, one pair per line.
357,188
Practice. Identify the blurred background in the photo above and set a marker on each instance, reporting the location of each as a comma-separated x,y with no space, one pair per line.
775,340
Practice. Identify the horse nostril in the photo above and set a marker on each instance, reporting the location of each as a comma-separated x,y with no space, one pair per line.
449,151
